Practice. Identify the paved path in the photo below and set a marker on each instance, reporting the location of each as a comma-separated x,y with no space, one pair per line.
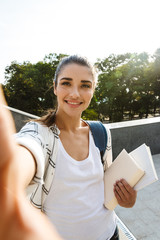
143,220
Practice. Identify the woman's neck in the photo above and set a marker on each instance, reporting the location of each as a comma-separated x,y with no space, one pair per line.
67,123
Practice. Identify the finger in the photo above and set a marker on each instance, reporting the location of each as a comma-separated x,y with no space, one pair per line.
119,200
123,188
5,114
118,191
2,99
129,193
7,129
127,187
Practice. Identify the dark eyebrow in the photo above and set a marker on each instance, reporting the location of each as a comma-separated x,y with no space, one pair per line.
66,78
86,81
70,79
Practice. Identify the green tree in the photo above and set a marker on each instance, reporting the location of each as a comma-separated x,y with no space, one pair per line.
156,78
133,81
128,86
29,87
111,90
123,87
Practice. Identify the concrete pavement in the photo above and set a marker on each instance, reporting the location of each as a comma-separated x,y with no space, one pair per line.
143,220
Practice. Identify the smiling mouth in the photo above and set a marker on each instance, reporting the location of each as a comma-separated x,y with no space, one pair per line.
73,103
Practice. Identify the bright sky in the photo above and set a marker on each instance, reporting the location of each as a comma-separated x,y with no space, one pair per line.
31,29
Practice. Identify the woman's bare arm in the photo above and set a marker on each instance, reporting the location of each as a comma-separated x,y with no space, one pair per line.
19,220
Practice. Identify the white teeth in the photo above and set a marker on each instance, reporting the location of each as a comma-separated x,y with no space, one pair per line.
73,103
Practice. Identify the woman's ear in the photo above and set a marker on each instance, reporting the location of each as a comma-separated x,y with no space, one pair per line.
54,89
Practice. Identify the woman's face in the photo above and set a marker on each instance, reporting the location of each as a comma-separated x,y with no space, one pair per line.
74,90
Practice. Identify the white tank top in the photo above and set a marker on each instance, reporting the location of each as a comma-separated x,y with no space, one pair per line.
75,202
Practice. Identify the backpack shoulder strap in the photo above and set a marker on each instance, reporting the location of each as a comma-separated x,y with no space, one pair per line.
99,135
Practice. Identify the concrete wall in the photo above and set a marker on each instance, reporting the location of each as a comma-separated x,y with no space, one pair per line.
20,117
131,134
128,135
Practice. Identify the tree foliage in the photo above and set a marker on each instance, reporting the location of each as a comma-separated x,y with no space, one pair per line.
128,86
29,87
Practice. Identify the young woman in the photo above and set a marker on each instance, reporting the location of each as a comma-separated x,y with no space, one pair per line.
58,159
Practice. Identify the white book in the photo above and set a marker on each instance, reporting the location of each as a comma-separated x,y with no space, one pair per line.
142,156
137,168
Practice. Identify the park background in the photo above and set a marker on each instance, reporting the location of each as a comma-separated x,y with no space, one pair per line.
121,37
128,86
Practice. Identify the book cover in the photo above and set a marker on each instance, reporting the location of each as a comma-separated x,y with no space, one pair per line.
125,167
142,156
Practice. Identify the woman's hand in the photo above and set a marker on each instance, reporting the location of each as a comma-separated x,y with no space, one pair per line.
125,194
19,220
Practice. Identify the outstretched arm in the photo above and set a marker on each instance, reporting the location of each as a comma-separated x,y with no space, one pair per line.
19,220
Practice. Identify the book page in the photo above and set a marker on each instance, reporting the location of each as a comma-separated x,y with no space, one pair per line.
142,156
122,167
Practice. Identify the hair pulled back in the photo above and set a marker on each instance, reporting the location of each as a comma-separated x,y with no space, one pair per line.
82,61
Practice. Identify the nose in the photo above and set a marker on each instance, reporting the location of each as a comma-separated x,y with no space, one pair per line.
74,92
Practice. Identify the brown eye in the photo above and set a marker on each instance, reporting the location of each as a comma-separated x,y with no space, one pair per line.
86,86
66,83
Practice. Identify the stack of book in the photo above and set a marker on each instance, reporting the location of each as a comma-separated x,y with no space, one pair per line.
136,167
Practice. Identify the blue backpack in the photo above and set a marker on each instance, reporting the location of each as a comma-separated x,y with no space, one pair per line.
99,135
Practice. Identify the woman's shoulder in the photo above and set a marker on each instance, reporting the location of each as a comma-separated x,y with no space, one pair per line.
39,128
